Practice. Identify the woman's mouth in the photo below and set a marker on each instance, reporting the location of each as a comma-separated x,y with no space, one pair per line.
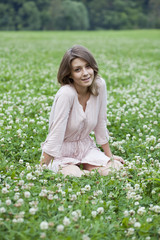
86,79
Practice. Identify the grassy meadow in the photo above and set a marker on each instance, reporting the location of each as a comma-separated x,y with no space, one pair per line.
35,203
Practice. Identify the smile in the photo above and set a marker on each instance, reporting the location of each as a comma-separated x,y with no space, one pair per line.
86,79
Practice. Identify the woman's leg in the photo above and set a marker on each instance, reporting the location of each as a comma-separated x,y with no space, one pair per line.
104,171
72,170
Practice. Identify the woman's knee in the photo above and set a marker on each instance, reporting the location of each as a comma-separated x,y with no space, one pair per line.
71,170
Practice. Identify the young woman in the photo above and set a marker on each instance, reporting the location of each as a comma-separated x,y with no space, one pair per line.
79,108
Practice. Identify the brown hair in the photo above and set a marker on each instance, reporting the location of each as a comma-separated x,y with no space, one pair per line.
64,71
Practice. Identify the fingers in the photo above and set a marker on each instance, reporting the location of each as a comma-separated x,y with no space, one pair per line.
120,159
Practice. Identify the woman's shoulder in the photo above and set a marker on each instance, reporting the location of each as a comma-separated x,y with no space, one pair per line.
100,82
66,91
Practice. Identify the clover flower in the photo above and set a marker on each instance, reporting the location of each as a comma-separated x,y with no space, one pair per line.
100,210
85,237
137,225
94,213
60,228
66,221
44,225
27,194
141,211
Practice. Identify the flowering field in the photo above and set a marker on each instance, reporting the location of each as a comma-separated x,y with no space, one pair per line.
38,204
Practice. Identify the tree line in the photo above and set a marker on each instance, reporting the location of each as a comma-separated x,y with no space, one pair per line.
79,14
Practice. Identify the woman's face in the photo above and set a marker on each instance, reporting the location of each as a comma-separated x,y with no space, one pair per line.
81,73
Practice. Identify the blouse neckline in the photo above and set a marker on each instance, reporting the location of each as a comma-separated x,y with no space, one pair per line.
81,107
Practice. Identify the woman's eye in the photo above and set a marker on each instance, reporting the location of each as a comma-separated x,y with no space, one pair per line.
77,69
88,66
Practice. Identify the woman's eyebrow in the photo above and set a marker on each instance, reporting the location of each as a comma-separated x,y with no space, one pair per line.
76,66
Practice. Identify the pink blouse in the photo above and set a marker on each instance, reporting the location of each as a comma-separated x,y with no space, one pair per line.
70,126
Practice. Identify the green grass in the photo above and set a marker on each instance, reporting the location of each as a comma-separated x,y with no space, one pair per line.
129,61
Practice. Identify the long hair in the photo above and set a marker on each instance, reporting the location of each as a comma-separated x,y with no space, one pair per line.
64,71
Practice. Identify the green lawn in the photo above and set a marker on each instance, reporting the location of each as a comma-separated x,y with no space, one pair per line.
38,204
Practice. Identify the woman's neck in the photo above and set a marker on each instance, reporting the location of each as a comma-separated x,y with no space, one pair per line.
82,91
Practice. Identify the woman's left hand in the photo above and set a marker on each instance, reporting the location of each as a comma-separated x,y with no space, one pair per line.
118,158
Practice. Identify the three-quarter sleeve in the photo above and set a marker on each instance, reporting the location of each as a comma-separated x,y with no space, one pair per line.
101,131
58,121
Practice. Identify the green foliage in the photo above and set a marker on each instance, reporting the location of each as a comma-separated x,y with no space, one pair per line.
68,15
79,14
7,17
28,17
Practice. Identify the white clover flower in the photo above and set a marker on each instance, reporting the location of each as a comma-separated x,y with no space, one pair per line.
69,189
16,196
50,197
138,197
21,182
56,196
132,220
20,201
27,194
83,190
44,225
8,202
141,211
85,237
94,213
66,221
33,210
61,208
87,187
60,228
29,176
21,214
16,189
99,192
63,193
4,190
2,210
76,214
149,219
100,210
137,225
7,185
137,186
157,146
20,220
126,213
38,173
43,235
21,161
156,209
130,231
14,220
43,193
73,197
148,238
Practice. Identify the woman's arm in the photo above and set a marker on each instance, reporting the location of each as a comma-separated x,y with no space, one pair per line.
108,153
45,159
58,122
107,150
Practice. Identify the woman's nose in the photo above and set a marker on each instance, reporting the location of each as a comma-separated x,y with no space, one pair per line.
85,72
